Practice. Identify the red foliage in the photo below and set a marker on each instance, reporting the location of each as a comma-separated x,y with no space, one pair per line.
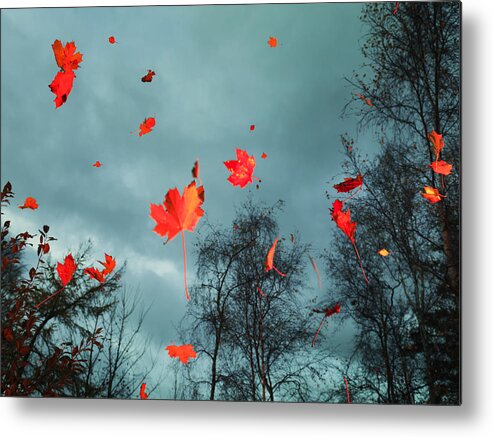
112,40
66,270
196,170
29,203
183,353
146,126
269,261
97,164
441,167
264,155
272,42
148,77
432,194
241,169
328,312
143,394
349,184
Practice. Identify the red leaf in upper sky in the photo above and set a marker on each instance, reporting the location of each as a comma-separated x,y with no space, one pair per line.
109,264
66,57
196,170
349,184
252,127
241,169
95,273
264,155
441,167
61,86
143,394
183,353
97,164
343,221
148,76
437,141
272,42
179,214
147,125
29,203
269,261
432,194
66,270
112,40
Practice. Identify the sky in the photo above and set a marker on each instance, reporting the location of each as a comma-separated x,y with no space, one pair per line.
215,76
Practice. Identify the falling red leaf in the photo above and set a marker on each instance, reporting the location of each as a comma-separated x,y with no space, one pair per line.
269,261
241,169
179,214
143,394
315,268
396,8
196,170
349,184
264,155
343,221
97,164
68,60
383,252
437,141
148,77
328,312
95,273
65,272
147,125
432,194
272,42
348,394
183,353
252,127
112,40
441,167
261,292
29,203
109,264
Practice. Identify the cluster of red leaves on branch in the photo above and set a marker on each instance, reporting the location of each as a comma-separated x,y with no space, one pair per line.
439,167
26,374
67,60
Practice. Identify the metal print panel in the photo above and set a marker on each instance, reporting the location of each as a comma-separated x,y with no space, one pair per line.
235,203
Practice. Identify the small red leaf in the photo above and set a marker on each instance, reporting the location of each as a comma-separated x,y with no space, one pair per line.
29,203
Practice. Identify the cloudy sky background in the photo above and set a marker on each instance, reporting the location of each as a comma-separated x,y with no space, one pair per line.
216,75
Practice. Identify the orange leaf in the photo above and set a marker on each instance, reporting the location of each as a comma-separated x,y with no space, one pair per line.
272,42
97,164
148,76
441,167
269,261
437,141
241,169
66,57
183,353
147,125
109,264
179,214
29,203
432,194
66,270
143,394
343,220
383,252
264,155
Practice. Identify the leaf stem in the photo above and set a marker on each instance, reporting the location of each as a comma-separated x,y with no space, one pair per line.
184,263
49,297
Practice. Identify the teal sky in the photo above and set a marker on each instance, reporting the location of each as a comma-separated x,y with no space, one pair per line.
216,75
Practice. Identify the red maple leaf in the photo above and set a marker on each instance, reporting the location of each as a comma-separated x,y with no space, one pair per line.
441,167
183,353
272,42
196,170
95,273
61,86
112,40
343,221
349,184
177,214
97,164
65,272
269,261
109,264
148,76
29,203
143,394
432,194
241,169
147,125
328,311
437,141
